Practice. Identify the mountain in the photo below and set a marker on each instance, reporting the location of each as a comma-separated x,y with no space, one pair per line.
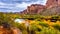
33,9
52,11
38,8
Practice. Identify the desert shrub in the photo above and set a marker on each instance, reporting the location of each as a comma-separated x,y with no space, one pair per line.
34,27
49,31
56,26
43,24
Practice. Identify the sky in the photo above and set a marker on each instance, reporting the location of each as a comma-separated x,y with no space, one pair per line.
18,5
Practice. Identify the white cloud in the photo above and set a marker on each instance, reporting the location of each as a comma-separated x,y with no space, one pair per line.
24,4
19,6
2,3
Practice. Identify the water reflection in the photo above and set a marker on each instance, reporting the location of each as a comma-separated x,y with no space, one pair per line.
19,20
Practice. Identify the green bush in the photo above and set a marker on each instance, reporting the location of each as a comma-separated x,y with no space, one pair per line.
56,26
43,24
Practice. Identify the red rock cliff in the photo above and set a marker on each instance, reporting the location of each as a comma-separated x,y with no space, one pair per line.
51,3
37,8
33,9
59,2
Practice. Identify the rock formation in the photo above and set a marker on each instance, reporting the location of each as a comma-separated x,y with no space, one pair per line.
52,11
51,3
13,30
59,2
33,9
38,8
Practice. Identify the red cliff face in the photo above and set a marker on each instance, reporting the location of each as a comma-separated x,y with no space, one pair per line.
59,2
51,3
37,8
34,9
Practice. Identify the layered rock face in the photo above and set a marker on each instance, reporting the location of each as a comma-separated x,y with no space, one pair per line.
53,8
52,11
38,8
51,3
34,9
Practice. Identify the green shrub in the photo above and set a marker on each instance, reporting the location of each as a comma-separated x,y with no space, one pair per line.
56,26
43,24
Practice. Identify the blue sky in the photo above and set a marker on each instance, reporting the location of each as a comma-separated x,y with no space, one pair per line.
18,5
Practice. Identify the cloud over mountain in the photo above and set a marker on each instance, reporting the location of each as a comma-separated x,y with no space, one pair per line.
17,5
